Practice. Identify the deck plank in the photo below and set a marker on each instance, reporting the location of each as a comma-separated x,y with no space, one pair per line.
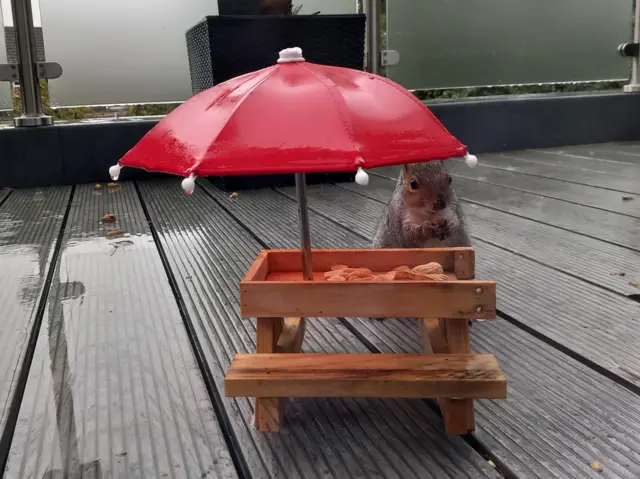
30,221
210,252
114,389
616,229
567,161
599,198
603,178
581,256
621,152
511,428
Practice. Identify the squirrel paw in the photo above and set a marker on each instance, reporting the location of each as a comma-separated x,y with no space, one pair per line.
440,229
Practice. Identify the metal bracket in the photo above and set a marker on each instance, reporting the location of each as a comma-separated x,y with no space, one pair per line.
389,57
629,49
45,71
9,72
48,70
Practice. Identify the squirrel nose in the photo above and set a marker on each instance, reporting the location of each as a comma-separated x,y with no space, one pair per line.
439,204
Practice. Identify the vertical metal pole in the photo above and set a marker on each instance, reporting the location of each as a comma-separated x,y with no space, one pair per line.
635,61
305,234
372,9
29,82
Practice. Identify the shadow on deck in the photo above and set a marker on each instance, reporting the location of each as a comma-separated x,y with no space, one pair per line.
114,350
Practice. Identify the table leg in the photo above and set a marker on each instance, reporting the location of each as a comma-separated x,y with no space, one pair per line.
268,411
458,414
442,336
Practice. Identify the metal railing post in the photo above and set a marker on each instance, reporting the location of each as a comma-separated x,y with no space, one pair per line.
32,114
372,9
632,50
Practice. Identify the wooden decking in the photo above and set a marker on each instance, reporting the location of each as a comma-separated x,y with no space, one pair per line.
113,350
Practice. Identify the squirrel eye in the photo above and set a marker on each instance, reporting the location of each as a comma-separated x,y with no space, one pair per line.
450,180
414,184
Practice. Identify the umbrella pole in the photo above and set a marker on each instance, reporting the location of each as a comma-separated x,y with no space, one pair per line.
305,234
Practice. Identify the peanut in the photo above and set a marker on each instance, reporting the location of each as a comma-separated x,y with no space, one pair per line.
429,268
336,278
330,274
404,276
401,268
359,273
434,277
390,276
425,272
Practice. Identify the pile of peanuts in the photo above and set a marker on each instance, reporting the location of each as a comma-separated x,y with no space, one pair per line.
424,272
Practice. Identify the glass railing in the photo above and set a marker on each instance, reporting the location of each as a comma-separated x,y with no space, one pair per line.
134,51
128,51
468,43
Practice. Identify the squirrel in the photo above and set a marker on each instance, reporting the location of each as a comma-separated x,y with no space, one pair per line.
424,211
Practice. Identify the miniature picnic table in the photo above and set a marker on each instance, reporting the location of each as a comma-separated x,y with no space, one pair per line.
275,292
299,117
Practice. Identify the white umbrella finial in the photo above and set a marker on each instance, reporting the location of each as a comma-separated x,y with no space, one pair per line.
362,178
471,160
189,184
114,172
289,55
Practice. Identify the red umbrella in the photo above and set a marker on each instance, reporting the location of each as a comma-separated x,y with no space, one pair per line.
294,117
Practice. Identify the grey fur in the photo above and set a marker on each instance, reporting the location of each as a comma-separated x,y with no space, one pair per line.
407,221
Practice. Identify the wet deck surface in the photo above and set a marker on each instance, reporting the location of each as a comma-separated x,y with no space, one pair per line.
113,350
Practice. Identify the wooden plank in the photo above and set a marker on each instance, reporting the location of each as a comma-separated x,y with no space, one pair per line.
268,411
365,375
259,268
464,263
458,413
444,299
380,260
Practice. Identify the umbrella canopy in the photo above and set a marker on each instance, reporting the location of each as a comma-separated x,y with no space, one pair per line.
294,117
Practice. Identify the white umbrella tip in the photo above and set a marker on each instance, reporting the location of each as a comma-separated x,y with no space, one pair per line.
114,172
189,184
362,178
289,55
471,160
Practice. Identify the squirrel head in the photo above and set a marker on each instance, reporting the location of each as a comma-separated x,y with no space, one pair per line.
426,186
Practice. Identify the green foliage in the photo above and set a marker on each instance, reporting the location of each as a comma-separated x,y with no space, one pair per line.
86,112
483,91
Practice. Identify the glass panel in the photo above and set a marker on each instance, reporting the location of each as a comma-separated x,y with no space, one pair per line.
128,51
326,7
7,21
120,51
459,43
